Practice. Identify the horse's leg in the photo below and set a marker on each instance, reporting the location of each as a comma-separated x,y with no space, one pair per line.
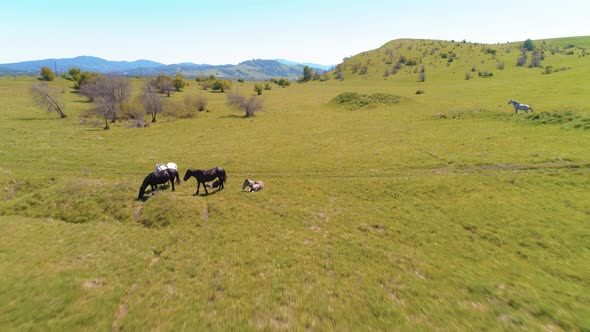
205,187
198,185
172,182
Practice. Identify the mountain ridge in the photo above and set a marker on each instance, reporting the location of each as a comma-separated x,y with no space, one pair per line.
254,69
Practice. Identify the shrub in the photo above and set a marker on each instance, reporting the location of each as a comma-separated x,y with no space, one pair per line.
536,60
500,65
47,74
250,106
258,88
355,100
521,61
548,70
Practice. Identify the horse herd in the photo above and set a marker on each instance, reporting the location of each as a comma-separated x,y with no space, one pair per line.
169,172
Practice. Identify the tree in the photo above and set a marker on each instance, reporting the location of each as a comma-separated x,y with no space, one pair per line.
48,98
90,91
258,88
178,82
75,73
111,93
528,45
163,83
521,61
536,60
422,75
86,77
250,106
283,82
47,74
151,101
307,74
106,109
221,85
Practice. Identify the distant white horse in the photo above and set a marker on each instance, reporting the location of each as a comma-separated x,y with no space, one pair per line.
171,165
254,185
519,106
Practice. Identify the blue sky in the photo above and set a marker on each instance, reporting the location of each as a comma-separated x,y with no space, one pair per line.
230,31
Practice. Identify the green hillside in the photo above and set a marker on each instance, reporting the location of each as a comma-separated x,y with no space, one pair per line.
383,209
492,72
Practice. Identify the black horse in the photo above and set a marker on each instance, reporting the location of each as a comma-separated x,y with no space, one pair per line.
160,177
206,176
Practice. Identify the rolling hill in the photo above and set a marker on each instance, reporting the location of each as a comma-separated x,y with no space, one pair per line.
450,60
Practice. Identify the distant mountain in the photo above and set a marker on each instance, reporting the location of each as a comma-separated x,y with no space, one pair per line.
312,65
88,63
256,69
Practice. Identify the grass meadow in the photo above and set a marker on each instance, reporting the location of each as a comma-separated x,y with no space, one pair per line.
444,211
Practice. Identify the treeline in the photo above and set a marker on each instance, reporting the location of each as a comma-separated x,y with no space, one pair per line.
111,96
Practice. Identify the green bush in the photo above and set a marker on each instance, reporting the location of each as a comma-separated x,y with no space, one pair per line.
355,100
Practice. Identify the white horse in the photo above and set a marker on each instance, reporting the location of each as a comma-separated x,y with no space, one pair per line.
171,165
519,106
254,185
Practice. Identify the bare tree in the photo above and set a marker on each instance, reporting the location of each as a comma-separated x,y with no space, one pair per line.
521,61
250,106
110,94
151,101
201,103
106,109
89,90
163,83
48,98
114,90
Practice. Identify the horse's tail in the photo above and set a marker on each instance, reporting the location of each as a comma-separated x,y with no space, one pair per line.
177,177
223,176
144,185
531,109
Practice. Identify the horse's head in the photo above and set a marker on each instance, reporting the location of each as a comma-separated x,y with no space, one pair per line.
187,175
246,183
511,101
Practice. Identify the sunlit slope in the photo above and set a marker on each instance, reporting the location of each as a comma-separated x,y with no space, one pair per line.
485,75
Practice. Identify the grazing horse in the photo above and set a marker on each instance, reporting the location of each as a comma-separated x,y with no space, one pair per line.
161,167
254,185
156,178
519,106
203,176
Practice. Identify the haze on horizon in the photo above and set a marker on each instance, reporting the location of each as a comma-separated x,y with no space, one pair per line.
232,31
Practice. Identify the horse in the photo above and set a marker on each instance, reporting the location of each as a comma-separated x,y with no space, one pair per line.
519,106
161,167
155,178
203,176
254,185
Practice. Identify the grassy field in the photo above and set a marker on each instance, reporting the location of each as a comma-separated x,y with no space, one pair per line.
441,211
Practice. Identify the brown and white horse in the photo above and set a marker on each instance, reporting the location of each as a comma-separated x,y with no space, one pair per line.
254,185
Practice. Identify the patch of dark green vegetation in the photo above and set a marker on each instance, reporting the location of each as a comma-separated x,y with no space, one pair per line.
565,119
355,100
